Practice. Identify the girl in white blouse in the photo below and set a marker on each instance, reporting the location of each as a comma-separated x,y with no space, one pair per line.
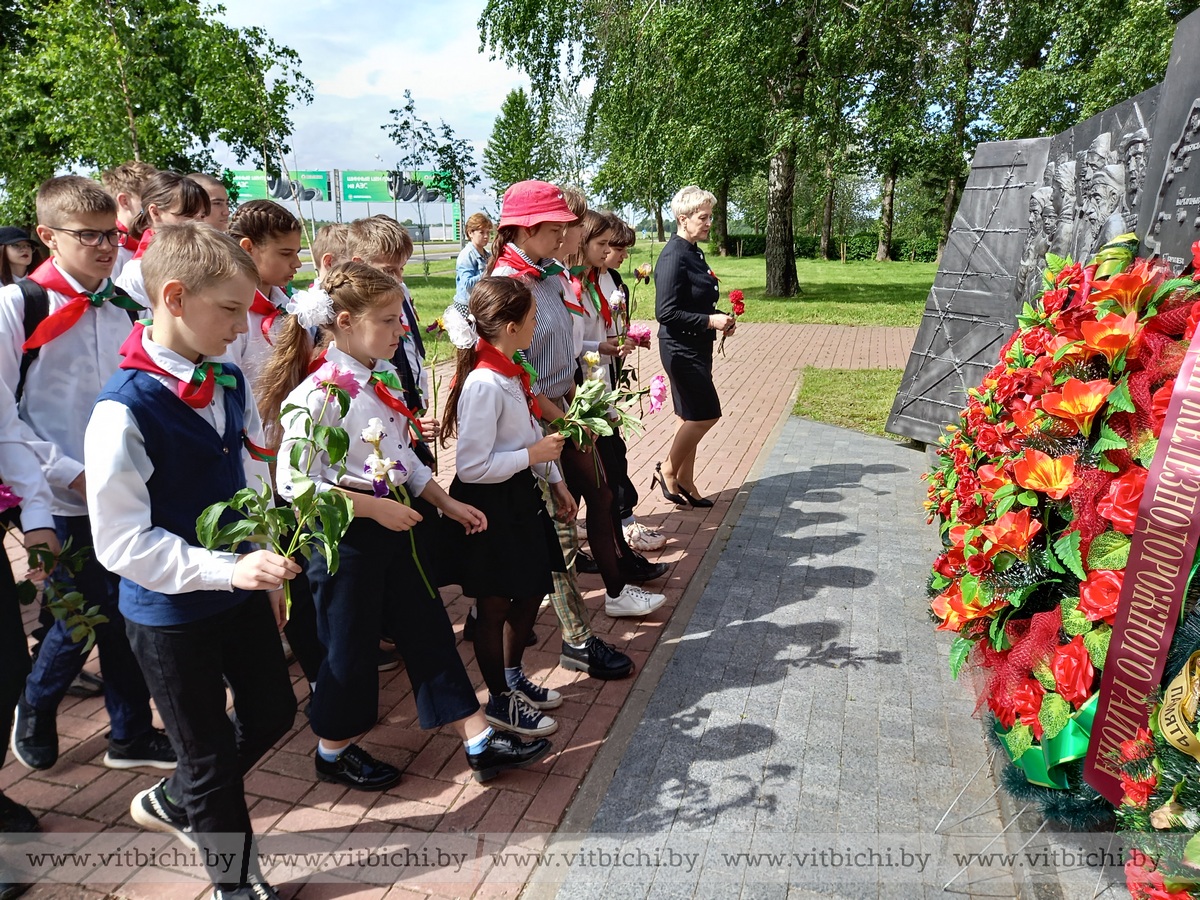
502,460
382,579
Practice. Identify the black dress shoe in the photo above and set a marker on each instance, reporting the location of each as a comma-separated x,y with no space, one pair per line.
15,818
505,751
10,890
585,565
35,736
596,658
638,569
358,769
469,631
698,502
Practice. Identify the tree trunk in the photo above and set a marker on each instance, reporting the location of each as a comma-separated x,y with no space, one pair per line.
658,222
949,206
721,217
884,251
827,216
782,280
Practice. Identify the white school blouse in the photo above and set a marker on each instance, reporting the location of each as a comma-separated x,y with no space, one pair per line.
125,540
251,350
22,471
495,431
61,386
365,406
131,282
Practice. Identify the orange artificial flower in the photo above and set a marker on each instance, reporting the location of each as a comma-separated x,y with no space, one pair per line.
1078,401
991,479
954,612
1111,335
1026,419
1038,472
1013,531
1131,290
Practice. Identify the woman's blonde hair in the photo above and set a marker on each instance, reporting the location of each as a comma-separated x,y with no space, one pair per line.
689,199
354,288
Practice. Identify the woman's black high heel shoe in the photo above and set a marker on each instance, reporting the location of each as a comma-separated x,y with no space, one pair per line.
698,502
662,484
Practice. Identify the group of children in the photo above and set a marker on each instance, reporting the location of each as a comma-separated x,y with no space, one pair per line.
147,364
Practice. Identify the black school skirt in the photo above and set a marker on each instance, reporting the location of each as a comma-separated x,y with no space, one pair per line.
519,549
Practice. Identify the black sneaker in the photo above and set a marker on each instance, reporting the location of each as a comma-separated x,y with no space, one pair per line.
86,685
34,736
15,818
638,569
153,811
512,713
585,565
260,890
503,752
358,769
387,660
596,658
469,631
151,750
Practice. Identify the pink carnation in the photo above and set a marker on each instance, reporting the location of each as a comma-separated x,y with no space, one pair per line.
658,392
8,499
330,375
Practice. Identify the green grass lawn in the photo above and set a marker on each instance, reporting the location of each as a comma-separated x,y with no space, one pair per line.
859,399
834,293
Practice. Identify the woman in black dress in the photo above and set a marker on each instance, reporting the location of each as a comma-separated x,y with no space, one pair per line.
685,304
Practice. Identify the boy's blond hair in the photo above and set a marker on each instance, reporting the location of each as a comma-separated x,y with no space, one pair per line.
332,240
195,254
378,237
127,178
576,202
69,195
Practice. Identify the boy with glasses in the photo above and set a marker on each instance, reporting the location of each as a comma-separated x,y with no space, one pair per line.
55,371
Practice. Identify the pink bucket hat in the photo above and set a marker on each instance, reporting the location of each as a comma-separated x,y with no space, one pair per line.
527,203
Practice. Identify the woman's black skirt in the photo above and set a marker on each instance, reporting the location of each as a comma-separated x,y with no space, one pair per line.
689,368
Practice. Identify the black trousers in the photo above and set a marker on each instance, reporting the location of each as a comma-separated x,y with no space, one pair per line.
615,456
301,629
14,652
187,667
378,588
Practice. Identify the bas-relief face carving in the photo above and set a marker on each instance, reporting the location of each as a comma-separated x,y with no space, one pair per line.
1133,152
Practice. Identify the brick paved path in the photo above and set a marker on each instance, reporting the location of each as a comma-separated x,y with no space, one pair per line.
437,795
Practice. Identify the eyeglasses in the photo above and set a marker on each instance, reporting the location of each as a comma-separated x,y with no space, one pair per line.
92,238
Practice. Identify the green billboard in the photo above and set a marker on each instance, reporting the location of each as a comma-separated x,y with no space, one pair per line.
255,184
365,186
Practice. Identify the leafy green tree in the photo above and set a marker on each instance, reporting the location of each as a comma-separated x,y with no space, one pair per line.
520,146
92,83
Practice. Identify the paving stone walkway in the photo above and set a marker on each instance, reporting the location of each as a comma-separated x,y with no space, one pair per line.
437,798
806,708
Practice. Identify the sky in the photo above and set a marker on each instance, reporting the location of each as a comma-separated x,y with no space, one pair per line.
360,57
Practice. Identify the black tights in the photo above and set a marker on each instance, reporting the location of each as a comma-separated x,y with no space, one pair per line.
584,475
495,645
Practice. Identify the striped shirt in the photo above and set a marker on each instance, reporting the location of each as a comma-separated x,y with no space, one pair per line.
552,353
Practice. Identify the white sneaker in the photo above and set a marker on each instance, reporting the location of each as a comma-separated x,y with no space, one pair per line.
633,601
644,539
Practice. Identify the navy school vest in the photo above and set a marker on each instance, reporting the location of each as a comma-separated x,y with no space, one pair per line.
194,467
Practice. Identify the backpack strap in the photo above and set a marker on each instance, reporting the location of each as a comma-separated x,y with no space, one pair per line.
37,308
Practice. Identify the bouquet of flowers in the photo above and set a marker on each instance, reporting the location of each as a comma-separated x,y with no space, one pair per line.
1037,489
251,515
737,304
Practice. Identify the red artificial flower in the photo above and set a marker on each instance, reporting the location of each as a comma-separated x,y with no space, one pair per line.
1069,322
1193,318
1078,401
1026,419
1138,791
1073,672
1004,713
1132,289
1196,256
1070,277
991,479
955,612
1027,703
736,301
1053,300
1039,472
979,564
1112,335
945,566
1161,402
1099,593
1120,502
1140,746
1013,531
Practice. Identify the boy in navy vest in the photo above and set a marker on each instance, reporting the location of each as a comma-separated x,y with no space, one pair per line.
77,345
165,441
